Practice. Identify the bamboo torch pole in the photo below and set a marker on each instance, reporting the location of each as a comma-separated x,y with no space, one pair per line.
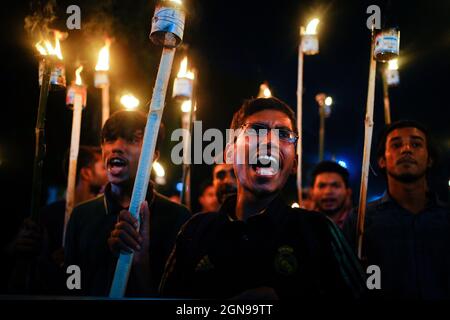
299,122
76,97
387,104
384,47
367,147
39,153
167,30
309,45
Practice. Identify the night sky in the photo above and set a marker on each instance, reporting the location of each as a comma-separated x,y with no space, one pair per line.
235,46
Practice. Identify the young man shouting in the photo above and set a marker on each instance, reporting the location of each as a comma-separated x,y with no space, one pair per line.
256,246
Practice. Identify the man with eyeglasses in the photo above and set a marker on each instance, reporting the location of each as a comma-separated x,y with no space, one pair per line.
256,246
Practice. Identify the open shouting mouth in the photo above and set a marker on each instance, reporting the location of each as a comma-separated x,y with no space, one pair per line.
116,165
266,165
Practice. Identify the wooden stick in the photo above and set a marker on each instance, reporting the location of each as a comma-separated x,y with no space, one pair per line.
123,266
366,155
387,104
186,186
105,103
299,122
39,153
321,132
73,157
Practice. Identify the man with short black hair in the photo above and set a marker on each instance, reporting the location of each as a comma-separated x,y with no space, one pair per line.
224,181
96,231
330,191
256,246
407,231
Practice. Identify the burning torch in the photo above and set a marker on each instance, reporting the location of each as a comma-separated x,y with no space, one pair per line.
75,99
385,46
183,90
101,79
51,77
167,30
324,104
309,45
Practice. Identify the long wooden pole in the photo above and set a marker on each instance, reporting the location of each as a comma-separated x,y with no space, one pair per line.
299,121
105,103
321,132
73,157
367,147
387,103
186,179
123,266
40,151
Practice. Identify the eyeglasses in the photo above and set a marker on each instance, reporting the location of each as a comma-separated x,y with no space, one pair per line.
255,129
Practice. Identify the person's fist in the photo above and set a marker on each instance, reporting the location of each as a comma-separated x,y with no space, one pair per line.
128,237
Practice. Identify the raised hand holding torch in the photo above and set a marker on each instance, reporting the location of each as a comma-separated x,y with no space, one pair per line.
167,30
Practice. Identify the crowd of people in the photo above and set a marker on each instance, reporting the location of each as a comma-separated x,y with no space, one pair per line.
247,242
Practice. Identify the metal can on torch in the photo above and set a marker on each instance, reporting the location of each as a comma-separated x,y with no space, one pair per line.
182,88
387,44
101,79
168,23
73,90
310,44
57,76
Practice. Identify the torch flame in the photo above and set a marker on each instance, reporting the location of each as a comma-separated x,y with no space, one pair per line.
78,80
264,91
103,57
186,106
312,26
393,64
183,73
47,49
41,49
129,101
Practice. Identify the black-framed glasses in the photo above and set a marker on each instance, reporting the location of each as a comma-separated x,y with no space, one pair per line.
255,129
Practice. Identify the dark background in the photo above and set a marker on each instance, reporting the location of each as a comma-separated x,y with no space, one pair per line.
235,46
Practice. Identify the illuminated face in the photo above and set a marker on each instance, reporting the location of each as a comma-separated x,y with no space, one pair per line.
406,158
329,193
121,158
208,200
260,169
224,181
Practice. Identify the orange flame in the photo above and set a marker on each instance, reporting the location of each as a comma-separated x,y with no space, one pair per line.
184,73
46,48
103,57
78,80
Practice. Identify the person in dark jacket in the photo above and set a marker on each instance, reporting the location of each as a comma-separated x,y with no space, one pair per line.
94,236
407,231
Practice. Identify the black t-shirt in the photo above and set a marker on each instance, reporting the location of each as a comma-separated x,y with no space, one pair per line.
90,226
296,252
